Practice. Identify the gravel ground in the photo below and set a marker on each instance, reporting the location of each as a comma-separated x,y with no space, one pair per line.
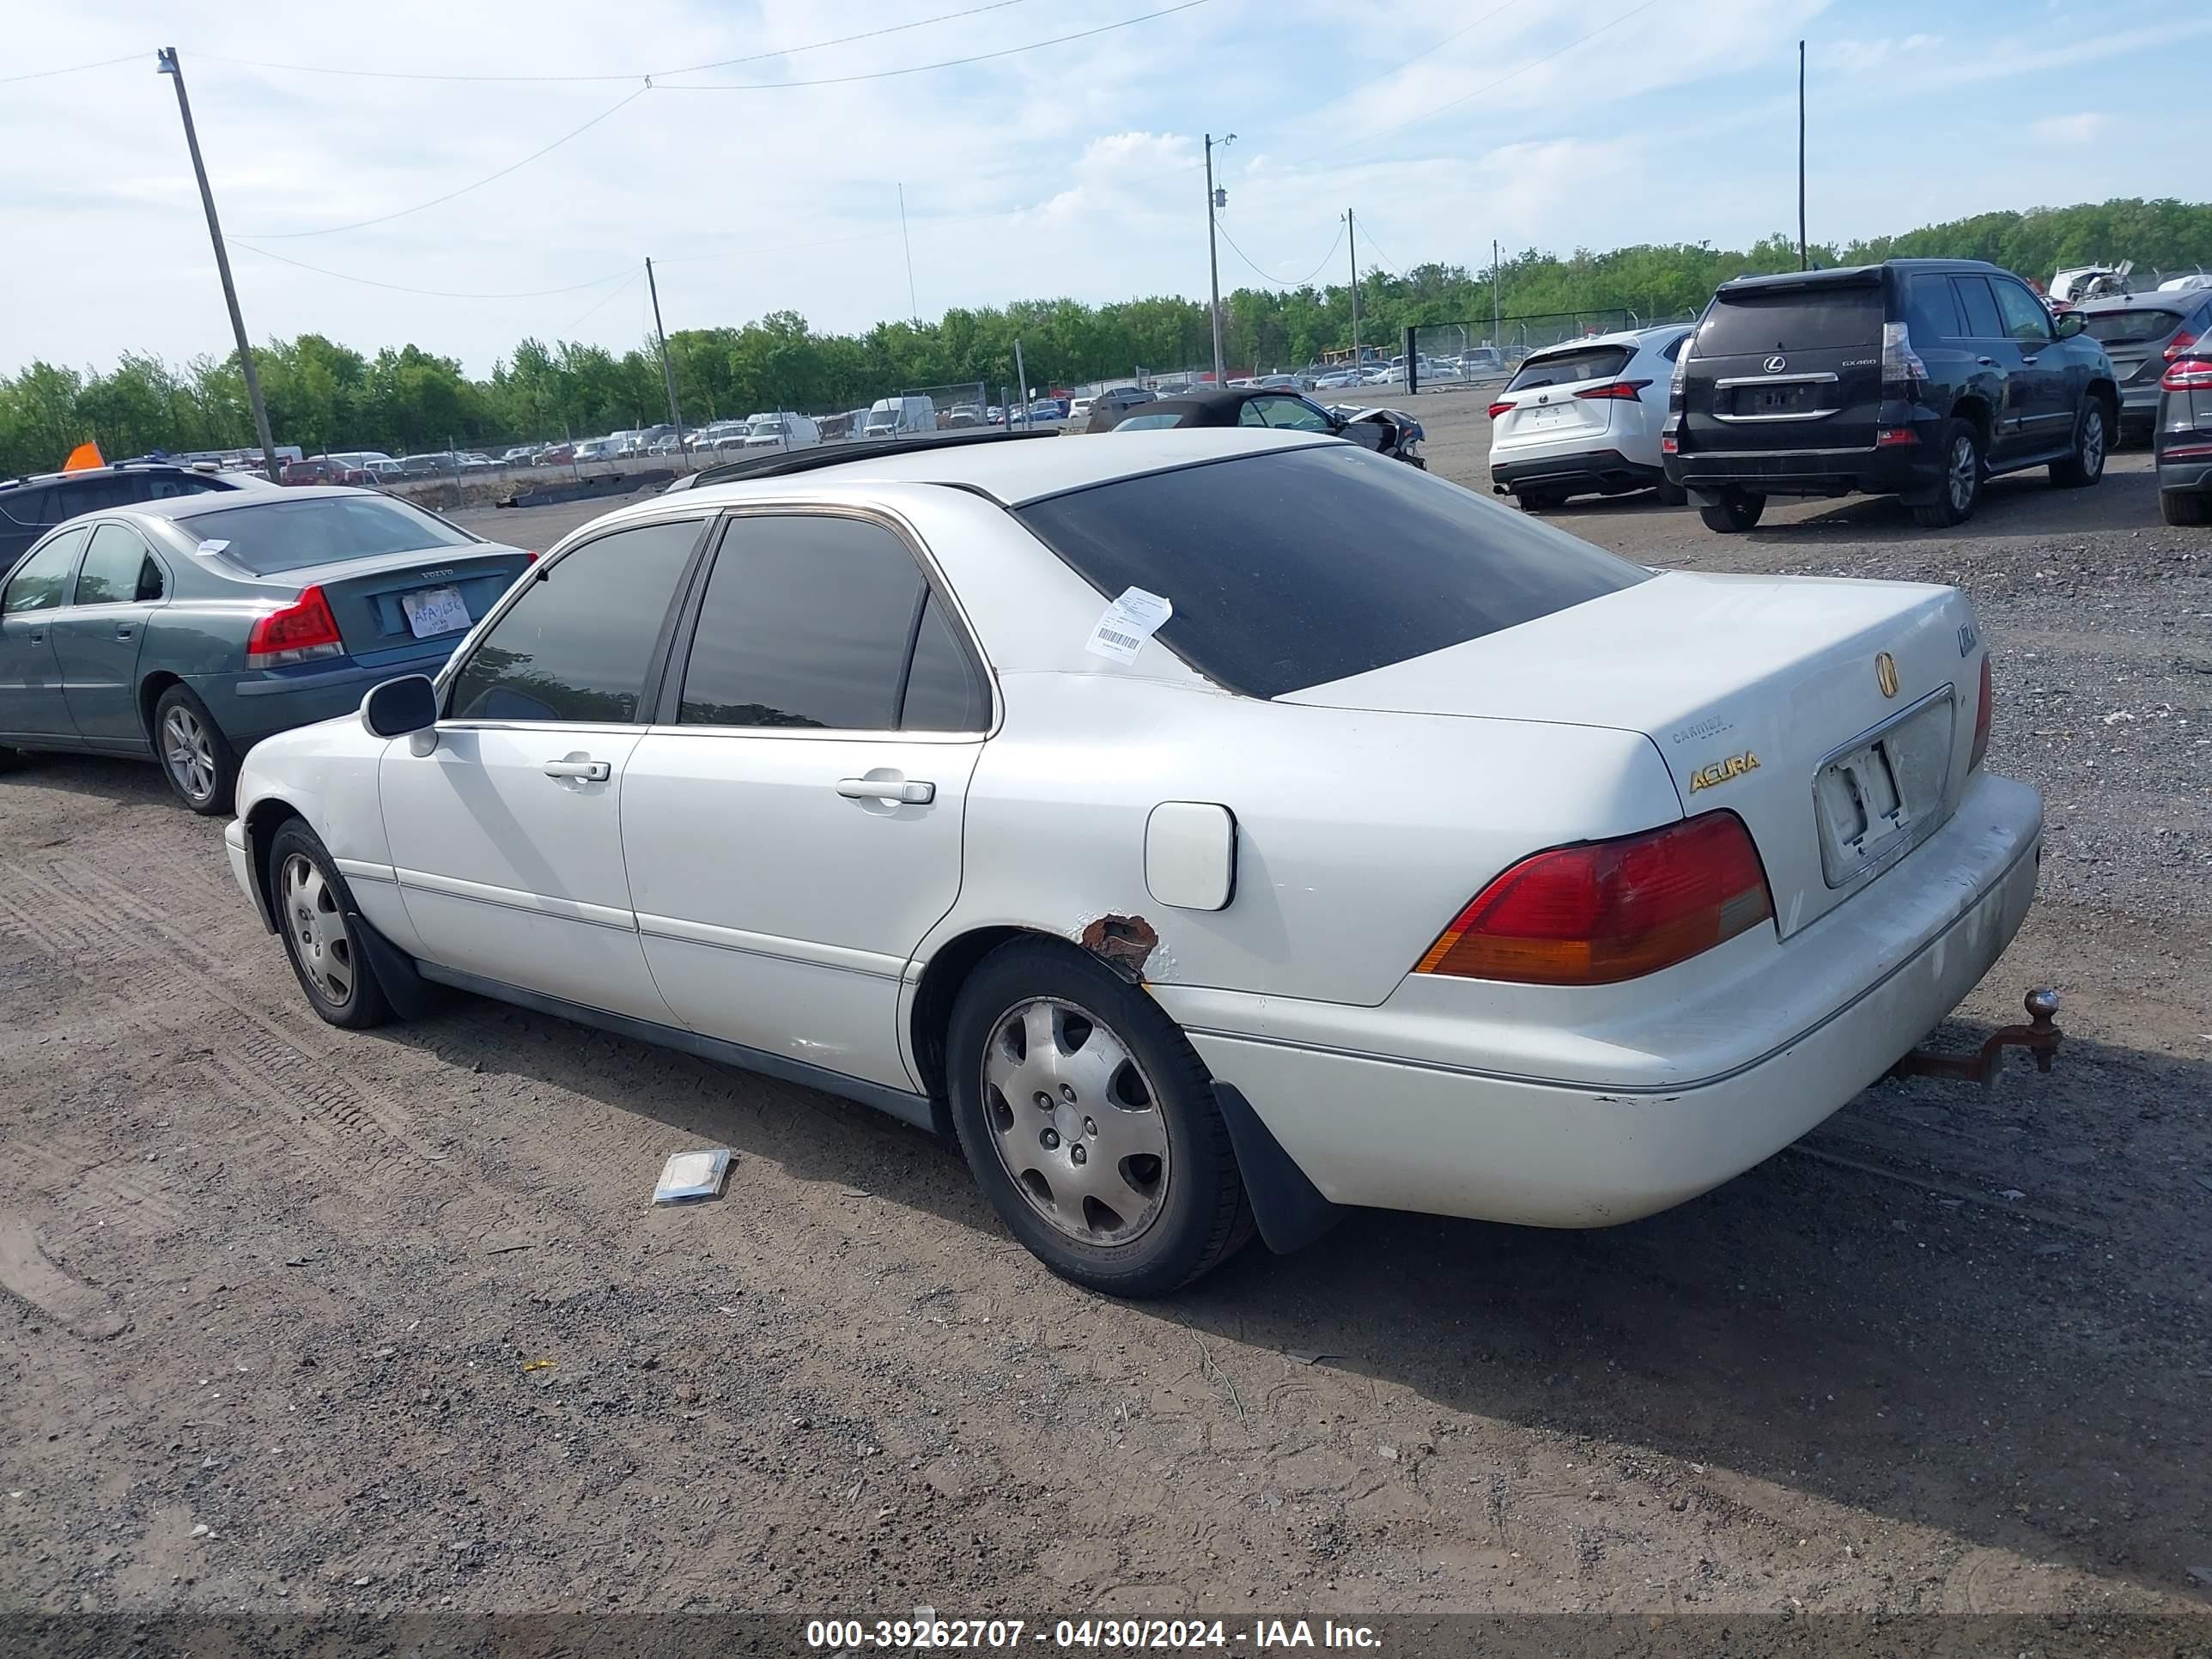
305,1320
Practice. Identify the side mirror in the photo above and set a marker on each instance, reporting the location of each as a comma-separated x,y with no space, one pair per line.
401,707
2069,324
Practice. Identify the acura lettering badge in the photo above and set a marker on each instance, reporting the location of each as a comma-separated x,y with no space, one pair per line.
1884,673
1775,365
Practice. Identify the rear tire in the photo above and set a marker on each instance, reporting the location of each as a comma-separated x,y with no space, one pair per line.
312,905
1124,1179
194,755
1737,511
2184,507
1959,492
2087,463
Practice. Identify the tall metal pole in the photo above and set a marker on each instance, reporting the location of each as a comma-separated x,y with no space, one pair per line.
1801,156
1021,375
912,307
667,368
1351,238
1213,265
1493,292
166,62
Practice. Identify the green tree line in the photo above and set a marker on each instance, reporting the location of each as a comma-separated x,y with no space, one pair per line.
324,396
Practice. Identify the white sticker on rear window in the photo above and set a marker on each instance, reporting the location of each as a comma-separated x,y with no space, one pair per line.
214,546
1129,622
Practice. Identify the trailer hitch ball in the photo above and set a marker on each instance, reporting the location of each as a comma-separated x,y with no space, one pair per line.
2039,1037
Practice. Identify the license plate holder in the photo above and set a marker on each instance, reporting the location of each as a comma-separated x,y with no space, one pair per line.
1798,399
431,611
1881,794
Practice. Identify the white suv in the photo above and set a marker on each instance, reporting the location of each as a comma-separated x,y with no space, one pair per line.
1583,419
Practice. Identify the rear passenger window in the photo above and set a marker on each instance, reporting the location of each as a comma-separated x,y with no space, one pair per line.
807,621
945,690
576,647
1931,312
116,568
1983,322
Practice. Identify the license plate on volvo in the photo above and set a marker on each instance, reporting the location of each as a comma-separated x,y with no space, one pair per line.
433,610
1880,796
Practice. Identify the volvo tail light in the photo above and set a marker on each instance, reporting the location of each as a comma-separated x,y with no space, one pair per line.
1984,715
300,632
1610,910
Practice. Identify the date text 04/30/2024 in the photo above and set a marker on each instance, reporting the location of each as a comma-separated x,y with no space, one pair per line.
1089,1635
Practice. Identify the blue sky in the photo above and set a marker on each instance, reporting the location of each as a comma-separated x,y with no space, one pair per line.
1069,169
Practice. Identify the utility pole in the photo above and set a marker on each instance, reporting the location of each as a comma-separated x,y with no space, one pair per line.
667,369
1214,198
912,307
166,62
1021,375
1351,237
1493,292
1801,156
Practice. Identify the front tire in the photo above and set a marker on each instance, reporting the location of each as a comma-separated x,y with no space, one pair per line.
2087,463
196,757
1090,1124
1959,490
312,905
1737,511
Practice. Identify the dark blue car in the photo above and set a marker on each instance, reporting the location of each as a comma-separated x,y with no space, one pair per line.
184,630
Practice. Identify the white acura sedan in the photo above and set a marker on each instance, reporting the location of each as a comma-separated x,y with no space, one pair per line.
1209,828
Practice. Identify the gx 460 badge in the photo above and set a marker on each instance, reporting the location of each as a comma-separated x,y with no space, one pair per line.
1721,771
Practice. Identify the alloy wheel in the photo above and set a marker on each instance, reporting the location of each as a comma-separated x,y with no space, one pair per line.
188,753
1075,1122
1965,463
316,930
2093,443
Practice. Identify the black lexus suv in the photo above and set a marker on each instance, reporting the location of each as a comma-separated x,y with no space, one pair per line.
1916,378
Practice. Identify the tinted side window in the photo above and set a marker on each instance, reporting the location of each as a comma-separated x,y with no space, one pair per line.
42,579
576,646
29,507
160,488
1930,311
1983,322
2025,319
806,622
114,567
1293,568
945,690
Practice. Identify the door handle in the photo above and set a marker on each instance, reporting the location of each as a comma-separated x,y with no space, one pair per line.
907,792
123,630
36,637
1987,362
590,771
2027,362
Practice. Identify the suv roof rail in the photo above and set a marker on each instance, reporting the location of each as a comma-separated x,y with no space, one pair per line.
781,462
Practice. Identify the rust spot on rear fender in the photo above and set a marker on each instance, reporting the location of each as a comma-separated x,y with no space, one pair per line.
1124,944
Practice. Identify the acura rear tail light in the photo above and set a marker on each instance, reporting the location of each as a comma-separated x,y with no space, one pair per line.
1621,389
2188,374
302,631
2179,345
1495,409
1610,910
1985,714
1900,363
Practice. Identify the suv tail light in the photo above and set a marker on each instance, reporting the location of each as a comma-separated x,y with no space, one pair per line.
2180,345
1610,910
1495,409
1984,715
2188,374
1900,364
300,632
1624,390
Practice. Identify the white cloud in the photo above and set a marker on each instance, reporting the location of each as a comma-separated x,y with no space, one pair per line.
2071,128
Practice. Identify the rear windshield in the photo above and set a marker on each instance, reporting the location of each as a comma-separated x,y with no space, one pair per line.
2130,327
1296,567
1820,318
270,535
1567,368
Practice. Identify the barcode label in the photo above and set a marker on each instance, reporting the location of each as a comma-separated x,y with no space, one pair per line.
1129,622
1124,641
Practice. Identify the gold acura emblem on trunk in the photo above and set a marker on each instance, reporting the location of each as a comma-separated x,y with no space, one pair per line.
1884,673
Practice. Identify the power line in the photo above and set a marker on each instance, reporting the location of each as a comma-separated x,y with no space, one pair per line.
1359,85
432,293
401,213
693,69
923,69
1277,280
74,68
1387,262
602,299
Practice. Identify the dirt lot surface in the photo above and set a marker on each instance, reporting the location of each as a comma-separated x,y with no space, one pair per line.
300,1319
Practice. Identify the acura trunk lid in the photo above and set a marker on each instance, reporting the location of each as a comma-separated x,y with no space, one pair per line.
1834,717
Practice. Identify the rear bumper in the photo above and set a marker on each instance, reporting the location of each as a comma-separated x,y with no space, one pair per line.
1404,1106
2186,477
251,707
242,870
1907,469
1606,470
